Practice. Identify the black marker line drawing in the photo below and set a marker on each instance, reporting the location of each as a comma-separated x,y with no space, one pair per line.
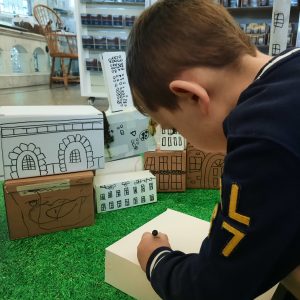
204,170
279,20
50,214
29,148
168,169
276,49
127,193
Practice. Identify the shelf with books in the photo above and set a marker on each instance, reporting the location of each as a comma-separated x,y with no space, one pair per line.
101,26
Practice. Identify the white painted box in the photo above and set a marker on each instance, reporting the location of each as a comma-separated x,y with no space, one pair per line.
126,165
116,191
114,70
171,140
131,135
46,140
122,269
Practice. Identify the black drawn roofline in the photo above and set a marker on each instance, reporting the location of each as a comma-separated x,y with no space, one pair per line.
88,120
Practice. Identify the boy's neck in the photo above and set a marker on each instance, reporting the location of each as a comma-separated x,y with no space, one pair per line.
226,85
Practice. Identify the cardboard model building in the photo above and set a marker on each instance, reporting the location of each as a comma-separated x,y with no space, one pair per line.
170,139
114,69
116,191
204,170
46,140
121,259
50,203
130,133
169,168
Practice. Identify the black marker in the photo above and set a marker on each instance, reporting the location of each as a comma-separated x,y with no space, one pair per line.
154,232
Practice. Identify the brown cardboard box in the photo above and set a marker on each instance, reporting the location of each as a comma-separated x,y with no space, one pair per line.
169,167
47,204
204,170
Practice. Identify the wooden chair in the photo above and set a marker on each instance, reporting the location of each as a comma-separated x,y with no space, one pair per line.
61,45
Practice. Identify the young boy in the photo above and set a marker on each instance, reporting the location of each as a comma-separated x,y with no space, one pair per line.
192,68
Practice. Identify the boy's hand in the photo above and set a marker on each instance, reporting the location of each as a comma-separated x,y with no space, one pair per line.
148,244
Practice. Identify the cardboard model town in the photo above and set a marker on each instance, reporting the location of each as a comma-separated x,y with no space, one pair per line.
57,161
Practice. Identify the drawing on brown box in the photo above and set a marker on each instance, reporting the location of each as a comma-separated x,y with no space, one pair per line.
42,213
168,169
204,170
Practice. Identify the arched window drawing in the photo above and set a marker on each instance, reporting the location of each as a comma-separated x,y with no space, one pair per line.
27,160
75,152
18,59
28,163
40,60
75,156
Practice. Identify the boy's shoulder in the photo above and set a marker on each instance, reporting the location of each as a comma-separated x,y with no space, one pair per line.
269,108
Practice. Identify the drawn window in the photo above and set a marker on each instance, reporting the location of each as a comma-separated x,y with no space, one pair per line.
150,163
126,191
176,163
163,163
176,182
75,156
151,198
195,163
143,199
135,190
164,182
28,163
135,200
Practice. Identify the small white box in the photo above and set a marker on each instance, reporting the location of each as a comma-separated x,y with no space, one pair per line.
132,164
116,191
46,140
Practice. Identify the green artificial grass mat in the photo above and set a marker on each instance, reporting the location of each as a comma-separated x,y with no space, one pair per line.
70,264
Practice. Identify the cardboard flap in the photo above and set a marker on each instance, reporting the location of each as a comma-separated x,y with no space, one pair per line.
56,182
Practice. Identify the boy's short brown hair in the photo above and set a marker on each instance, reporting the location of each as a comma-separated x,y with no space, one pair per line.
174,35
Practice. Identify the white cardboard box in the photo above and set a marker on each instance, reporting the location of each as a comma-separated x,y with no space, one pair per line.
46,140
132,164
122,269
114,69
116,191
131,135
171,140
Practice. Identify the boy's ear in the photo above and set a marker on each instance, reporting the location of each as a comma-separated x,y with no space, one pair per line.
192,91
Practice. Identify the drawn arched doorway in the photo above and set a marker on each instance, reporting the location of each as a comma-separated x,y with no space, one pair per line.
75,153
27,160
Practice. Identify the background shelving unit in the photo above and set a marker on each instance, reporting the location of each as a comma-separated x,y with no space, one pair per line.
101,26
262,15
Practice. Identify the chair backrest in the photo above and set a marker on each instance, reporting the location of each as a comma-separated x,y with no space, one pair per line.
47,18
59,43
